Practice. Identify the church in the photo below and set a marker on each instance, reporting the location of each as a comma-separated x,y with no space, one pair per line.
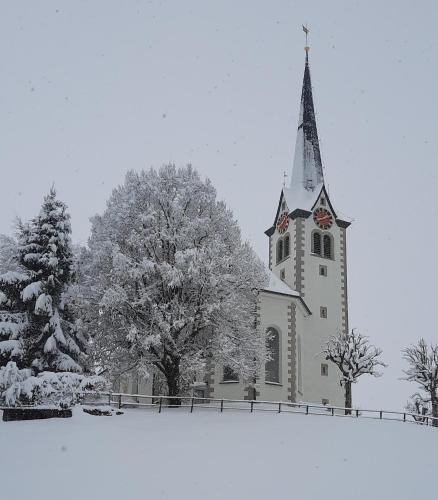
306,299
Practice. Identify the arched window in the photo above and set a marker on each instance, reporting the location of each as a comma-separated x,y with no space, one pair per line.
327,246
279,250
286,245
316,243
272,367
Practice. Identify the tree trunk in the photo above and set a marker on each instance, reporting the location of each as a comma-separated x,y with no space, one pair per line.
435,411
172,379
348,398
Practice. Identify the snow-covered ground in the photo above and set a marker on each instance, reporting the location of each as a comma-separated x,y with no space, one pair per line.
209,455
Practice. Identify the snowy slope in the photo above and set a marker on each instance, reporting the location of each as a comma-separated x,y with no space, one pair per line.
209,455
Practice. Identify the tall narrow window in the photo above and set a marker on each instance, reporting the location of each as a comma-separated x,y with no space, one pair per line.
287,245
230,375
279,250
272,367
316,243
327,246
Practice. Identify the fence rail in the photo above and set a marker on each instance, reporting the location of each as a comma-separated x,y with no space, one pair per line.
121,399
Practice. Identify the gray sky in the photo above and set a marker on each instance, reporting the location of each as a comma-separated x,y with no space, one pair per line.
91,89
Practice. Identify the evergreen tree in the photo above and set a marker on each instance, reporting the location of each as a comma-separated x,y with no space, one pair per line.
45,251
13,317
36,325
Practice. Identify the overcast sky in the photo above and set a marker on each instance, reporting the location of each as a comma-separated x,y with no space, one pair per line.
91,89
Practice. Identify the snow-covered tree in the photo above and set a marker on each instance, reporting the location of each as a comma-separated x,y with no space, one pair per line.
44,247
354,356
13,317
36,327
173,281
8,254
423,369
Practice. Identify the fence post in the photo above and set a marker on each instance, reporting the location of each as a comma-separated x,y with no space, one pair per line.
252,406
191,407
404,417
427,420
120,401
307,409
333,412
381,415
109,399
222,405
357,413
279,407
160,403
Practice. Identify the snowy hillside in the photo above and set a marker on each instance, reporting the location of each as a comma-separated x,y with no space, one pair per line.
208,455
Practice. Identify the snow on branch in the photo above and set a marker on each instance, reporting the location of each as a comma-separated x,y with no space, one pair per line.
18,387
353,355
423,366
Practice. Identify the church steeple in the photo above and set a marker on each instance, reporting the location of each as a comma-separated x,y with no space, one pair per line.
307,168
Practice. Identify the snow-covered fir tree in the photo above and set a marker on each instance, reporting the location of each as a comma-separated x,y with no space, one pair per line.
173,281
50,343
37,329
13,317
354,356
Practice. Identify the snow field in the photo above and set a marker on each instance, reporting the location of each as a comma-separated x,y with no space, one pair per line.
209,455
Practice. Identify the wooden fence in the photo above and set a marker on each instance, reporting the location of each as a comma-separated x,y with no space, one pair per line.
160,403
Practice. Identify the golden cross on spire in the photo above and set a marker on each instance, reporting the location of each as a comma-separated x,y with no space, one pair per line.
306,31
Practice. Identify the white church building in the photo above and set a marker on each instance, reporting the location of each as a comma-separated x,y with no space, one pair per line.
306,301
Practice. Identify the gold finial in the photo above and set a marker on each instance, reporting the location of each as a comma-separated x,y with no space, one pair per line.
306,31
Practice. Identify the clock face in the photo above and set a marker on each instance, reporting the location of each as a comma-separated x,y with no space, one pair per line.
283,223
323,218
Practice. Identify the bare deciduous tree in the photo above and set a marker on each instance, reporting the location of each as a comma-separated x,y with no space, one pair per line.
423,369
354,356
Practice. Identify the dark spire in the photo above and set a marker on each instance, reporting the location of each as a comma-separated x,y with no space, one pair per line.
307,169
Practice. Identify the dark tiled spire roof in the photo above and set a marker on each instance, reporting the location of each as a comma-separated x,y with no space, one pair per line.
307,170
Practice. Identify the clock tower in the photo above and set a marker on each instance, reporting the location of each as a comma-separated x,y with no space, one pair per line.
307,251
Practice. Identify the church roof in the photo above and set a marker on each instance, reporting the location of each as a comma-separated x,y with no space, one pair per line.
307,177
279,287
276,285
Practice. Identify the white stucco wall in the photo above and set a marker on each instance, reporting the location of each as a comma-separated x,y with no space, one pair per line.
274,310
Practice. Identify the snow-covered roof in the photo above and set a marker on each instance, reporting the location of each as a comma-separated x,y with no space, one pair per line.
276,285
298,197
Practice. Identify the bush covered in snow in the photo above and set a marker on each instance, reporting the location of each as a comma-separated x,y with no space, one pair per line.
19,387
